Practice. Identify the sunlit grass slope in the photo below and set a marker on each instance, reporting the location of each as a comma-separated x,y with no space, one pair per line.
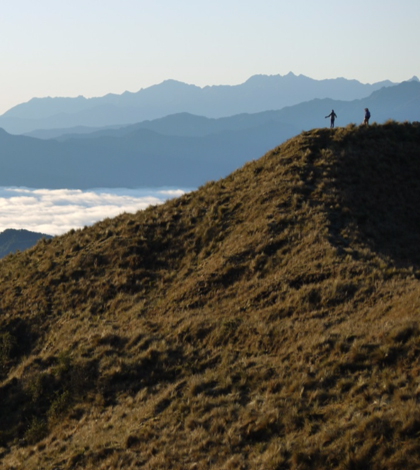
269,320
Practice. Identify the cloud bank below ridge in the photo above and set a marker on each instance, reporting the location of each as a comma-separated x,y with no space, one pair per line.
55,212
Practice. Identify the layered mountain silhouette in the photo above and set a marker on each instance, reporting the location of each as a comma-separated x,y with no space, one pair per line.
182,149
142,158
267,320
259,93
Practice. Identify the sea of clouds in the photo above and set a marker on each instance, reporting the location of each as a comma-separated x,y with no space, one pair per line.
56,211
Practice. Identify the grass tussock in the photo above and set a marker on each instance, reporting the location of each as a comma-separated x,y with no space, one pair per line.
267,320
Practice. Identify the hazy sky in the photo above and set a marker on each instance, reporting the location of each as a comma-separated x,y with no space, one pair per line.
94,47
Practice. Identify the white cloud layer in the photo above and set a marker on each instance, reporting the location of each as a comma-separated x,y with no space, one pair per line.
57,211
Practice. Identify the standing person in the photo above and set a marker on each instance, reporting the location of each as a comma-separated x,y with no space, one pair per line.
367,117
332,116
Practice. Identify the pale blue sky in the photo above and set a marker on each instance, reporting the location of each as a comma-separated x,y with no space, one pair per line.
94,47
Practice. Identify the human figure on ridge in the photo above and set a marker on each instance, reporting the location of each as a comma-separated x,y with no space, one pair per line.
332,116
367,117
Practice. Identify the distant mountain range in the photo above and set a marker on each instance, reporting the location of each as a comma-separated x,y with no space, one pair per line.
259,93
182,149
12,240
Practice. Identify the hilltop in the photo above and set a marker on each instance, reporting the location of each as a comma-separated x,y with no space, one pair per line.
267,320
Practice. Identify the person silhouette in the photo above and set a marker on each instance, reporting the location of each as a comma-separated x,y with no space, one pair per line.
367,117
332,117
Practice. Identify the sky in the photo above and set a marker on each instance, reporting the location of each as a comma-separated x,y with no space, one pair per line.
95,47
54,212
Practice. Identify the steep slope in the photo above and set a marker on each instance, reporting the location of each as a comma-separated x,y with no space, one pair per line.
268,320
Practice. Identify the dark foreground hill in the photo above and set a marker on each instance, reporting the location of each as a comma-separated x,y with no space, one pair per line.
268,320
12,240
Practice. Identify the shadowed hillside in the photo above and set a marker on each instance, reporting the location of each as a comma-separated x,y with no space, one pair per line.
268,320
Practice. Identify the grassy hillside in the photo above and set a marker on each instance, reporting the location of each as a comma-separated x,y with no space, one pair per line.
268,320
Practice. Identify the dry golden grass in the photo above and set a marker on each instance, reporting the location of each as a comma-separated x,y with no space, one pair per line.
268,320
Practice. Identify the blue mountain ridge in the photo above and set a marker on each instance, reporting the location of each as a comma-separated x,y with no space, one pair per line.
183,150
259,93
